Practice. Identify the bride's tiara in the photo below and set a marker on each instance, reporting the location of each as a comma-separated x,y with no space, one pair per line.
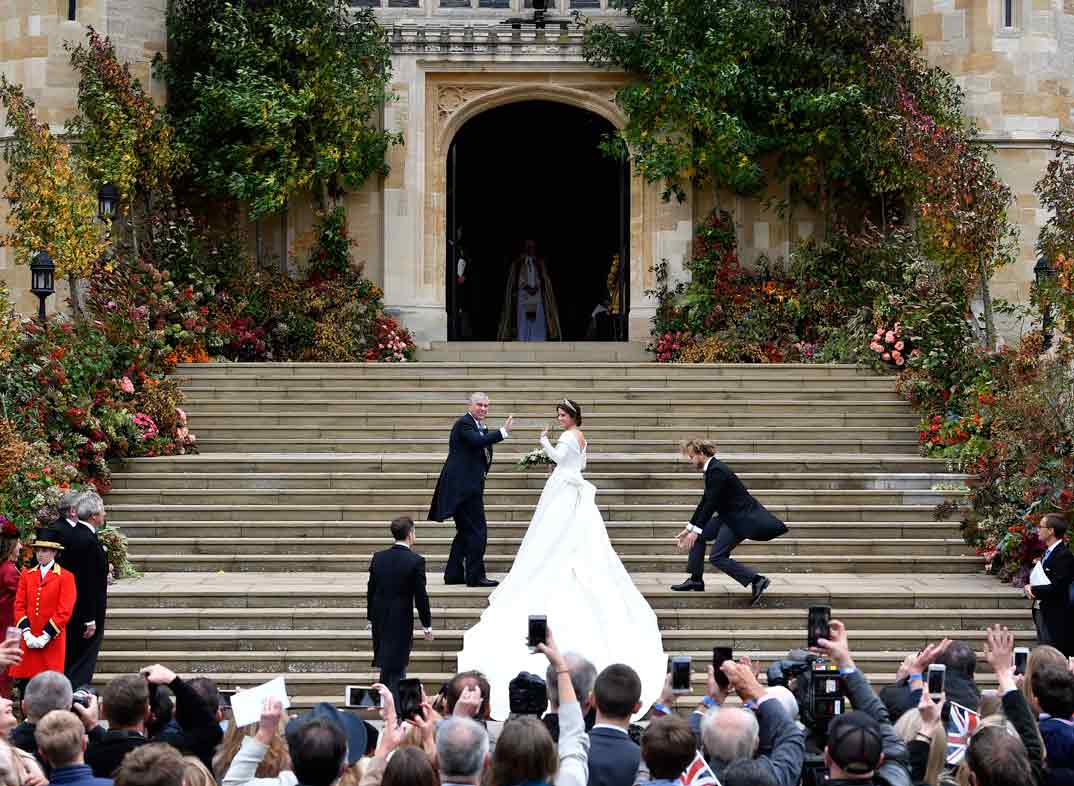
567,405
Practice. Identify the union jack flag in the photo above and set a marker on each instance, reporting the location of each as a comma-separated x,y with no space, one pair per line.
699,773
960,727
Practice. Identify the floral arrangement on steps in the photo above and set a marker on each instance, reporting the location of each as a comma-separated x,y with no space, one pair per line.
535,458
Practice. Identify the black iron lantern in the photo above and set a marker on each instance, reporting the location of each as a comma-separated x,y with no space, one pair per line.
107,202
42,279
1043,272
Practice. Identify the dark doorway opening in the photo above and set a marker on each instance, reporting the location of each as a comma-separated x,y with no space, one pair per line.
534,170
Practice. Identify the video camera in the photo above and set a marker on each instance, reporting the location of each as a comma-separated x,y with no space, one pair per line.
528,694
816,684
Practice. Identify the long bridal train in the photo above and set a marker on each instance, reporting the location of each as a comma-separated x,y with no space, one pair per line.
566,569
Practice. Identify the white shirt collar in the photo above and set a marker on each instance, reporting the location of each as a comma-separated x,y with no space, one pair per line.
1051,548
400,543
46,568
609,726
706,467
91,527
72,523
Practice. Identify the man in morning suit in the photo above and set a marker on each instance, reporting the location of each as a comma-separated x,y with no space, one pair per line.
1051,609
727,515
396,585
86,558
460,493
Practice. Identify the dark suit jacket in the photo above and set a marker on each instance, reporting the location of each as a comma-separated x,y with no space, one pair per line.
86,558
613,758
396,584
727,500
960,689
468,462
1054,598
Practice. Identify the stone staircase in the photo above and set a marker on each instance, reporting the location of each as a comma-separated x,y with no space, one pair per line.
254,551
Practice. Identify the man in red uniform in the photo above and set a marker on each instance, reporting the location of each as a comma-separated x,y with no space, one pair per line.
43,605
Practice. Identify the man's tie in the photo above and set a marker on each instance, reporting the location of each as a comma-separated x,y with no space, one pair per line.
488,449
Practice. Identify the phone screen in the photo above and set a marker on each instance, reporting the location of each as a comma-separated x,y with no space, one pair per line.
680,674
410,693
817,626
719,656
1021,659
538,630
362,696
936,680
225,697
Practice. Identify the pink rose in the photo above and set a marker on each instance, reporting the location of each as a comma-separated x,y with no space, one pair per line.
876,347
899,345
889,336
126,385
896,356
886,356
900,361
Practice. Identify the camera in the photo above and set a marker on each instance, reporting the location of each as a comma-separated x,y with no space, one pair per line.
82,696
528,694
816,684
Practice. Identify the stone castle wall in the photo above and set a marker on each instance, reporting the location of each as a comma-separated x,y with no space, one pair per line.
1013,58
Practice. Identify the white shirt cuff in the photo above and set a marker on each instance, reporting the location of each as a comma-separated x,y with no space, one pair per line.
427,630
693,529
505,433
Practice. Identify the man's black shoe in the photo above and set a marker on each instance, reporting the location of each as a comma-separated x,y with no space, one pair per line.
760,584
690,585
483,583
454,581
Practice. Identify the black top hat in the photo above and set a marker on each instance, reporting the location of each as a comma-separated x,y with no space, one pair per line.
48,538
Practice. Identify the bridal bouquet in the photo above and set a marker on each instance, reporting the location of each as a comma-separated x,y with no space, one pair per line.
535,458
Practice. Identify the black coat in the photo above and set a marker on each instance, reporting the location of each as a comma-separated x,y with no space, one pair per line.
468,462
613,758
396,585
1055,598
727,499
87,559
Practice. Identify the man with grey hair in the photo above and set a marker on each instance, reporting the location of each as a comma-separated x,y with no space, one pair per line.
67,517
460,492
462,750
87,559
583,677
731,734
48,691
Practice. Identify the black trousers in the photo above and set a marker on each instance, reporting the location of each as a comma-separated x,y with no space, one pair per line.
724,541
466,562
390,678
80,659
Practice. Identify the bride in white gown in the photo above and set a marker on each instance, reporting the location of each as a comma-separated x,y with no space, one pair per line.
566,569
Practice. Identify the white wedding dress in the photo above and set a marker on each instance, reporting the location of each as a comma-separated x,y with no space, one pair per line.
566,569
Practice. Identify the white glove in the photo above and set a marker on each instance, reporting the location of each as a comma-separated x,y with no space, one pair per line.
35,643
44,638
29,638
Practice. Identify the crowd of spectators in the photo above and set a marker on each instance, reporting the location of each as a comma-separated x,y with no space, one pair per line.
155,728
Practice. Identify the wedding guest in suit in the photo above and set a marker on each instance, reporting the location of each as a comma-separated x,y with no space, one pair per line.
396,585
1051,607
726,516
668,747
67,511
87,559
61,740
43,605
460,493
583,677
9,585
613,756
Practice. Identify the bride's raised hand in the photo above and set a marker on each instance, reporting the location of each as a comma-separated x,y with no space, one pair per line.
544,434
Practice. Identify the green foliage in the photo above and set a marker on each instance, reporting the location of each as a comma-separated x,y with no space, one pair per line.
274,99
1056,192
123,138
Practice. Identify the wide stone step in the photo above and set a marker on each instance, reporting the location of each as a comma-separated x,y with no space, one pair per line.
518,496
864,590
508,547
548,369
461,618
534,479
653,531
666,462
119,512
447,643
585,390
328,441
435,667
656,411
528,425
231,560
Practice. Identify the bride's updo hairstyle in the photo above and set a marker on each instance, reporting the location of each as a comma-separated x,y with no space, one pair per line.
571,408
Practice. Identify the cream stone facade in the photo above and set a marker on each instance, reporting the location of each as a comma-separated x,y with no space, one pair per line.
456,59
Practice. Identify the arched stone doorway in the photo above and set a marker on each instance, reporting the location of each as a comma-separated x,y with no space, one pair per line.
534,170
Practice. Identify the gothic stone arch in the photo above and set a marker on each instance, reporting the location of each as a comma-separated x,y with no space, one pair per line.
452,99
